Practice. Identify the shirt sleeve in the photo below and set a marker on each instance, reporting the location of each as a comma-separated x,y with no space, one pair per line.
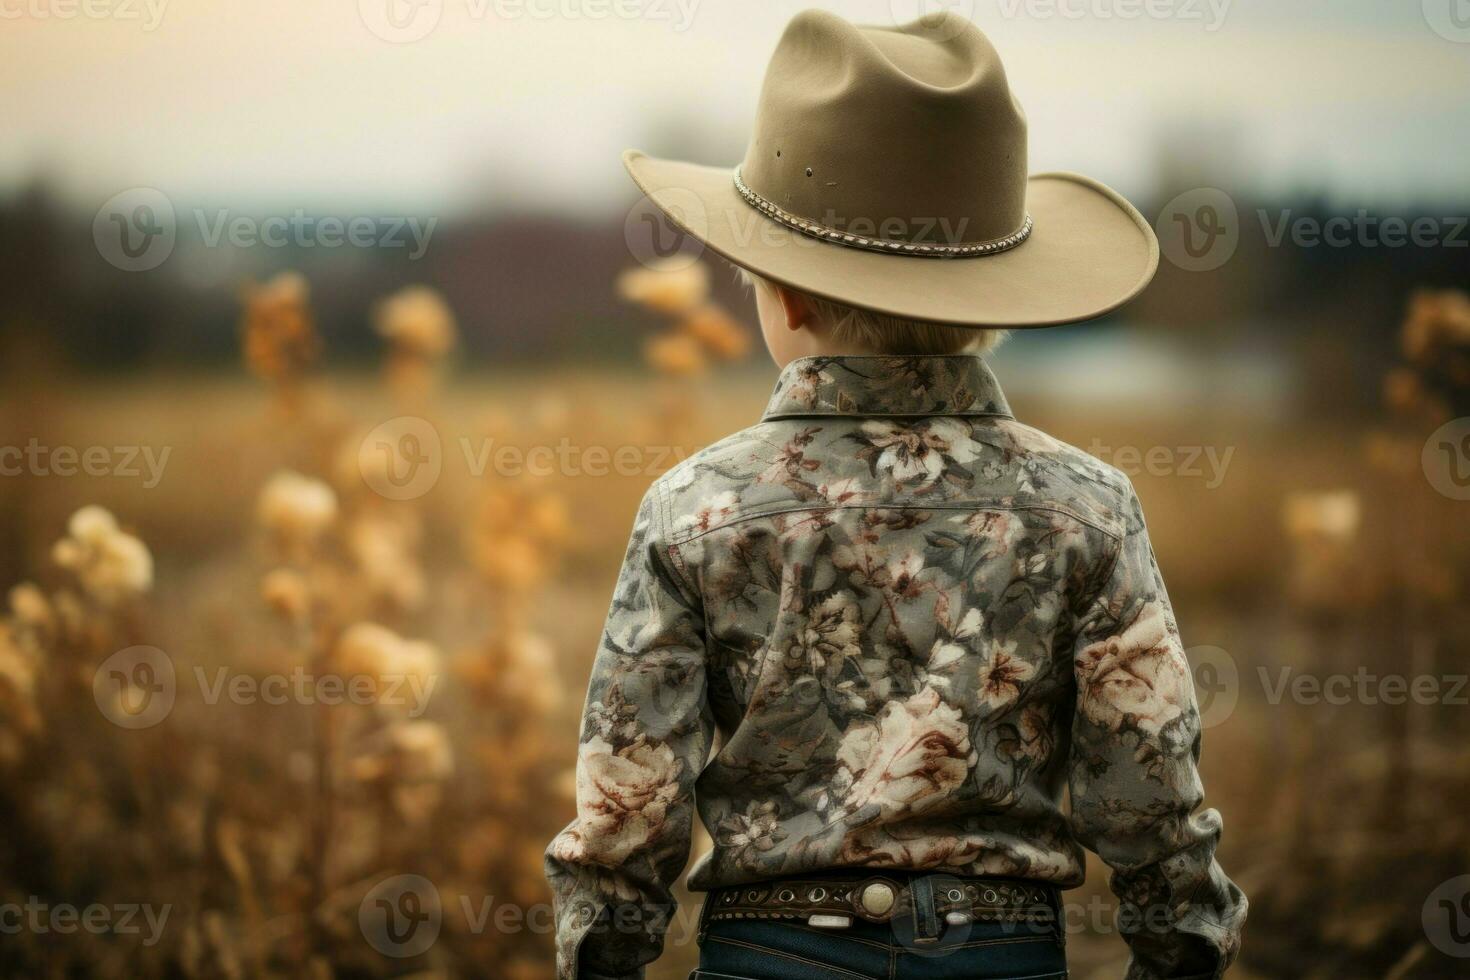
646,731
1134,779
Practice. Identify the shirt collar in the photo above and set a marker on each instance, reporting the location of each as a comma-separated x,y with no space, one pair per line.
883,385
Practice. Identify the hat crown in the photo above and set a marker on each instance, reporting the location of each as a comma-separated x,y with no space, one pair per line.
906,133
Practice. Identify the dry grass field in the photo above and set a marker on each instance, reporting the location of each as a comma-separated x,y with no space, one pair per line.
276,539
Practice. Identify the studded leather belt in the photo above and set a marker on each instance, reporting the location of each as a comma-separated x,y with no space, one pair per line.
833,902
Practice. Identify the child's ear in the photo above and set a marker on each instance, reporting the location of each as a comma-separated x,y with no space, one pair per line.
798,310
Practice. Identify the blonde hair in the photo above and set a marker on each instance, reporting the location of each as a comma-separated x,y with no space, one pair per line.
881,333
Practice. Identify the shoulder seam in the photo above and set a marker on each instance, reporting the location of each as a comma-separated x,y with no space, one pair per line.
946,506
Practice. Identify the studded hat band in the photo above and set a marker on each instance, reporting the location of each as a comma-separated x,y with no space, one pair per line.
872,243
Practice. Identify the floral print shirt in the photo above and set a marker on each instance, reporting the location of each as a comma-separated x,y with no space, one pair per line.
890,626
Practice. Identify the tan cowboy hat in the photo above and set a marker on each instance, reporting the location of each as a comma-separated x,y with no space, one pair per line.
888,172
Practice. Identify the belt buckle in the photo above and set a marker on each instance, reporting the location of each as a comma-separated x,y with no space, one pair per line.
876,899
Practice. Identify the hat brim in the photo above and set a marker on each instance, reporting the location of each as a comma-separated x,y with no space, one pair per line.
1089,253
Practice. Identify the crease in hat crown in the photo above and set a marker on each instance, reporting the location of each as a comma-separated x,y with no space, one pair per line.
900,139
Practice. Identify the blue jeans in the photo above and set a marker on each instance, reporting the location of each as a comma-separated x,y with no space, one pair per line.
775,949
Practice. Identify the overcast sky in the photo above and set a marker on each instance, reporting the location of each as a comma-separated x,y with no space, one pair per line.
502,104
